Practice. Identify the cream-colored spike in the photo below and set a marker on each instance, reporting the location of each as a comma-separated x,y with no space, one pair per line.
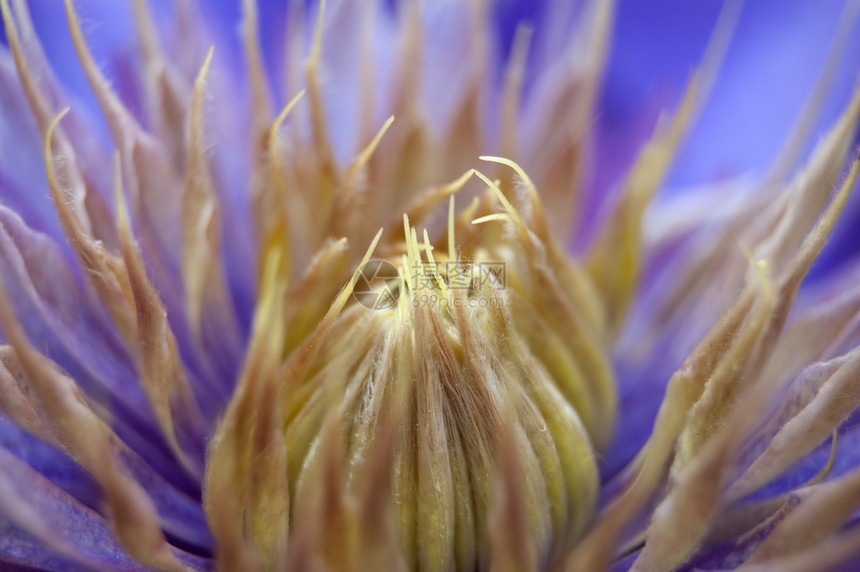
161,372
811,188
452,245
366,77
343,214
118,118
696,494
150,175
230,492
17,400
423,205
596,551
564,117
512,92
434,268
513,547
300,359
613,261
254,59
166,90
614,258
322,146
207,294
106,273
820,515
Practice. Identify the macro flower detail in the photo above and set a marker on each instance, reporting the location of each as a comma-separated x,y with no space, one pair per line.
329,316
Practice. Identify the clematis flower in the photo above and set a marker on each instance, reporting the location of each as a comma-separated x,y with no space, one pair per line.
370,292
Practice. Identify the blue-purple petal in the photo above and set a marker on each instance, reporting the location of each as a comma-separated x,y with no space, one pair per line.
182,514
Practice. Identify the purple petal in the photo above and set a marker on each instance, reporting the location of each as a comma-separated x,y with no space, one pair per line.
66,322
182,516
52,464
109,29
771,68
75,531
22,167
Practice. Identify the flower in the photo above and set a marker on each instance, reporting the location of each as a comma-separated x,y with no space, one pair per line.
352,333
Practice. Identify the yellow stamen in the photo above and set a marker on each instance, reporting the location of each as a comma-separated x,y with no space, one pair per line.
452,250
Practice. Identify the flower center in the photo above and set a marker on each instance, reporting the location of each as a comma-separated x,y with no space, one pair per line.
465,351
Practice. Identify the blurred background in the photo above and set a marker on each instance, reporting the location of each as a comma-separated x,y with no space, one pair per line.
776,56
